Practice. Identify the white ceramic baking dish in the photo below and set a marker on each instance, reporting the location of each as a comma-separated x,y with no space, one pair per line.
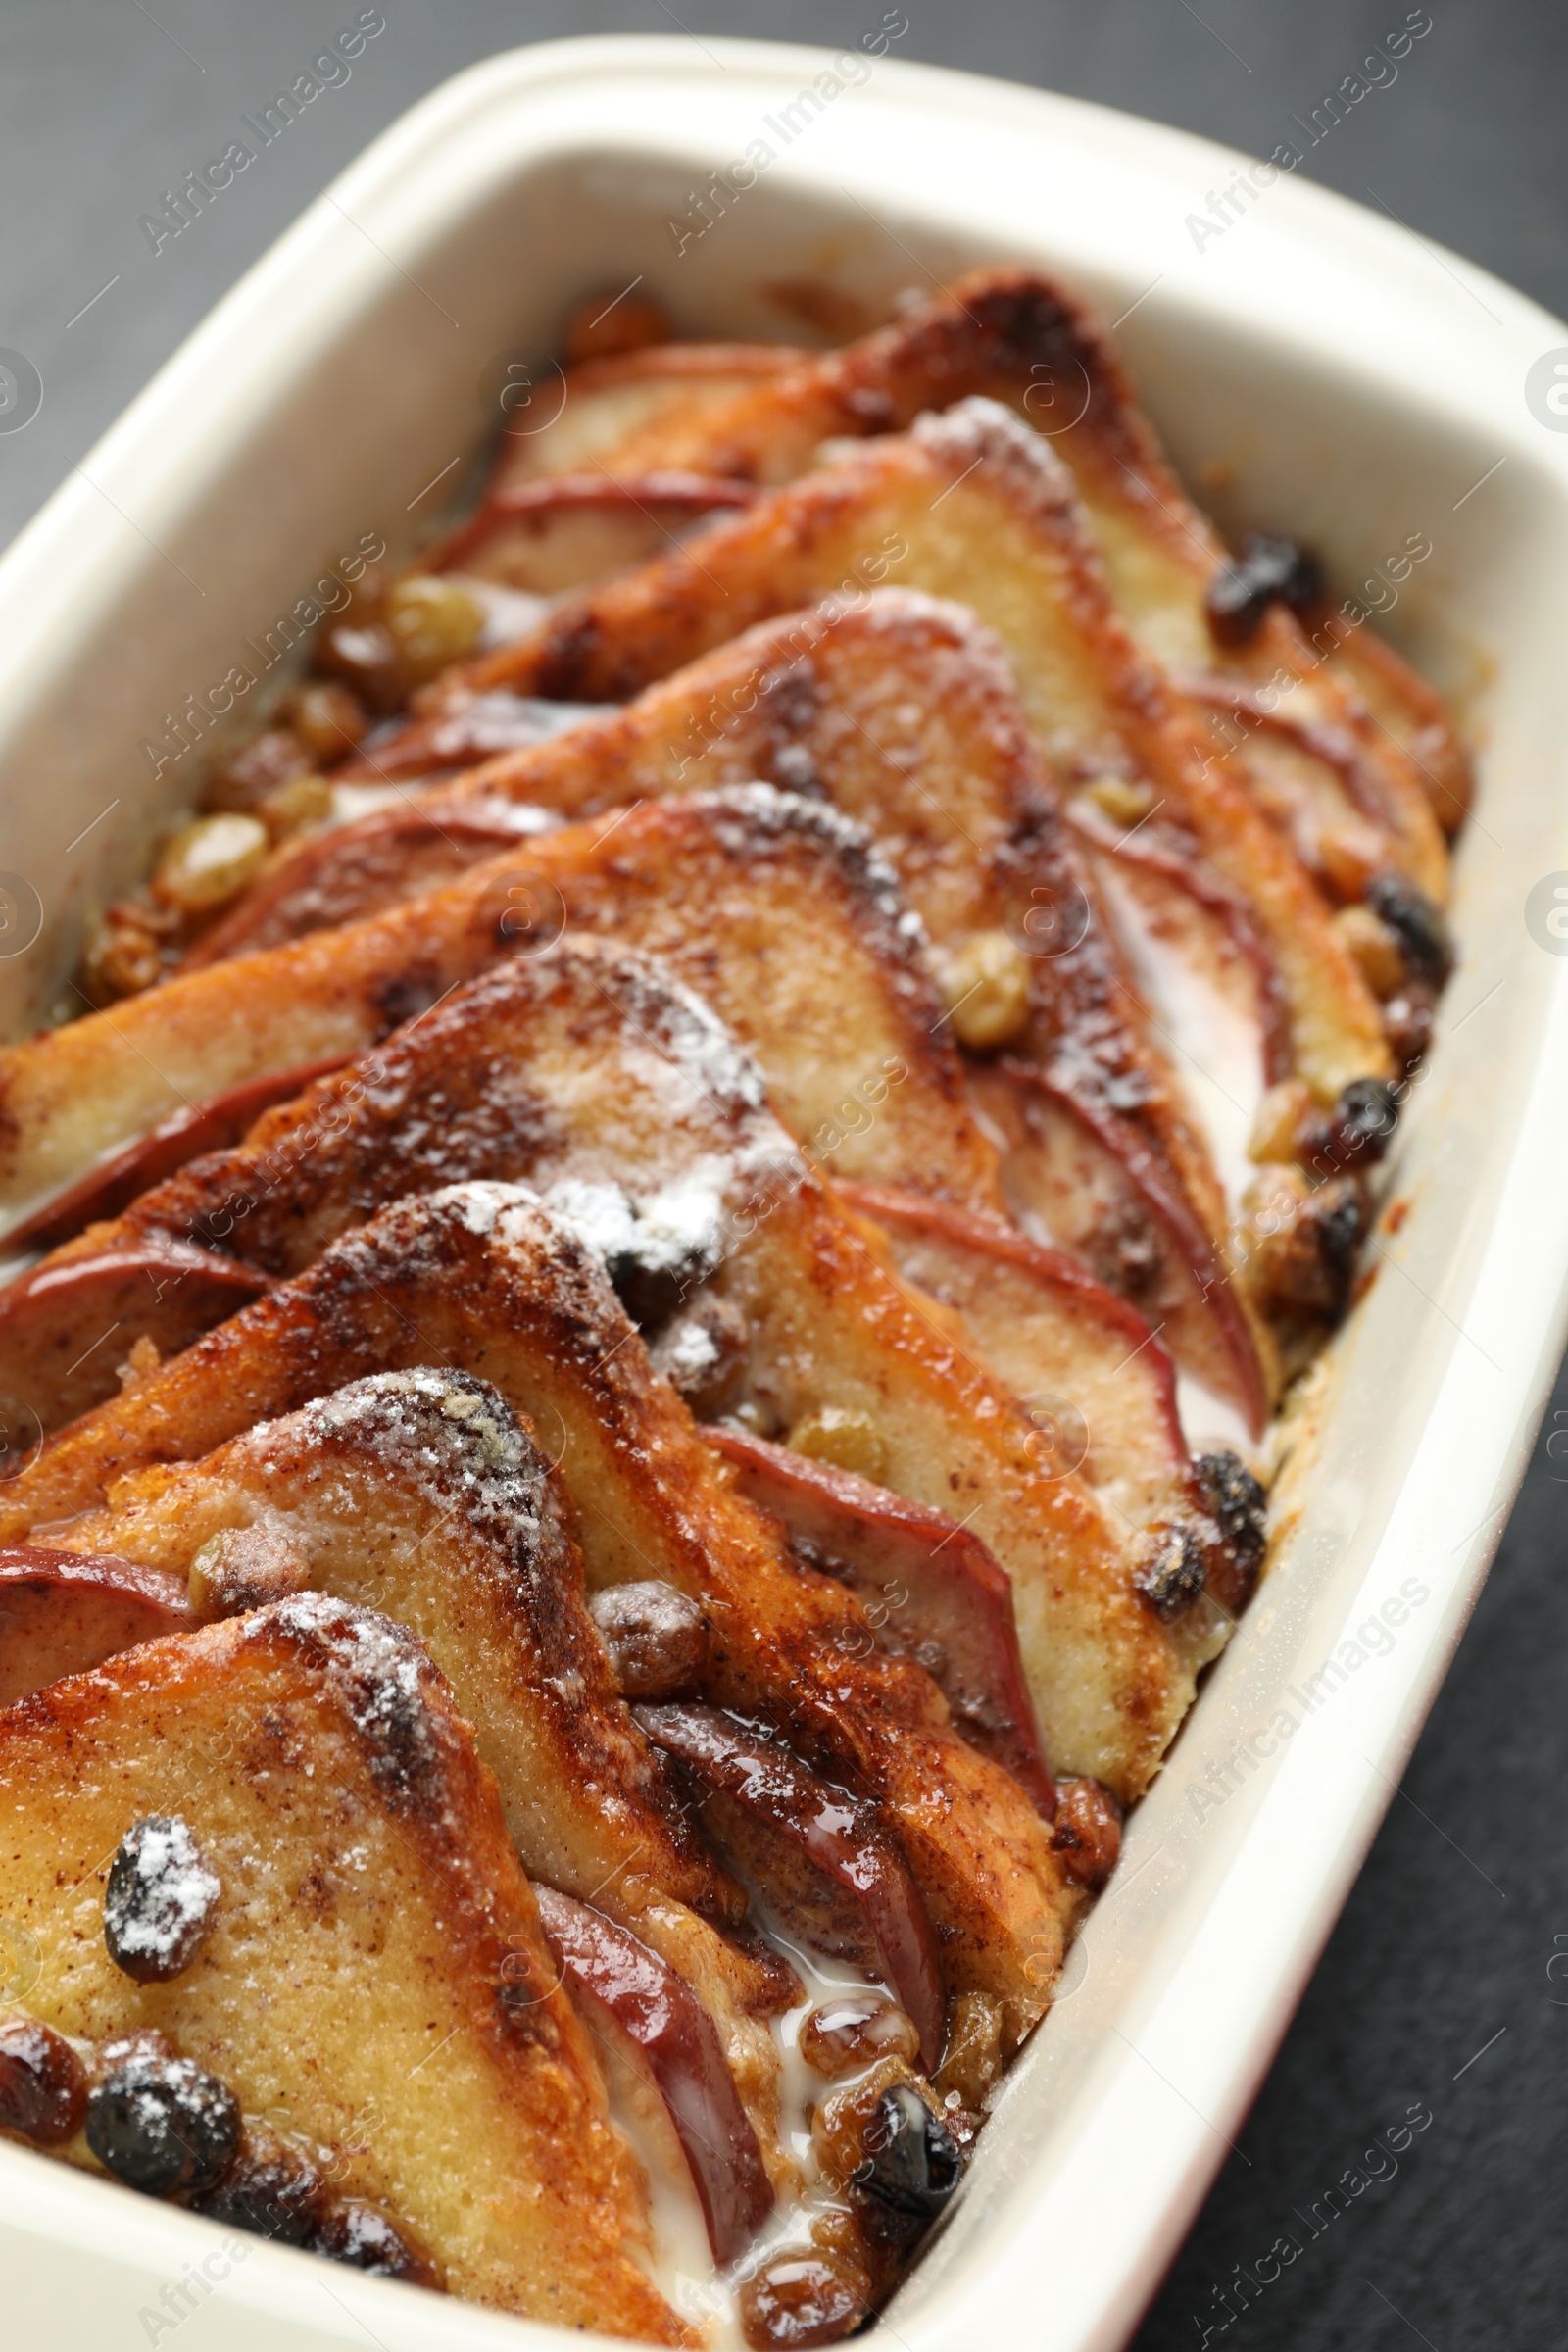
1343,382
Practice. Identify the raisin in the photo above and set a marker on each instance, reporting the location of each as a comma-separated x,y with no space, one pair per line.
1088,1831
1407,1024
362,2236
1269,572
160,1901
913,2164
1424,937
271,2193
1305,1245
43,2084
1360,1127
656,1638
854,2030
801,2299
1238,1503
1336,1218
1173,1575
162,2124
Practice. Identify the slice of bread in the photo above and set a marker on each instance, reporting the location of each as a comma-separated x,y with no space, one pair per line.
374,1981
419,1494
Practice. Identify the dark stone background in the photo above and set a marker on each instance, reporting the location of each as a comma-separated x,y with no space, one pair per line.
1449,1936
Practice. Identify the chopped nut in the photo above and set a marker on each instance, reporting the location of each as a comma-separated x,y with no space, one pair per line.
328,717
1123,801
849,1440
431,623
210,863
142,1359
973,2059
302,801
1374,949
1280,1121
986,985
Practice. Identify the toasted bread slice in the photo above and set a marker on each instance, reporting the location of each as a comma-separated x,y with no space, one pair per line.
419,1494
975,507
479,1278
624,1104
365,1871
552,517
903,711
568,424
777,910
1019,337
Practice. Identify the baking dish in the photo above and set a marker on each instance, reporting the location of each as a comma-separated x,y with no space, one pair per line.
1311,369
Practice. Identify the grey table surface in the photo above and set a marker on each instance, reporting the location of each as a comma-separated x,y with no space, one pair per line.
1441,1985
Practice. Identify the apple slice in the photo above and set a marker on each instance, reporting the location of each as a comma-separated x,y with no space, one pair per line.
1080,1357
663,2018
931,1590
64,1612
471,728
59,1323
566,531
397,853
209,1126
834,1832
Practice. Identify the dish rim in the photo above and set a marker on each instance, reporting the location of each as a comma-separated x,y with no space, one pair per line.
1393,316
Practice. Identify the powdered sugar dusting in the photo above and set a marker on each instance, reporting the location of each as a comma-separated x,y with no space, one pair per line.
451,1438
763,807
160,1899
677,1230
378,1668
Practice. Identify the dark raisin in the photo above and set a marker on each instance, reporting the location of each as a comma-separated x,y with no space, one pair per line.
362,2236
1336,1216
1417,924
802,2299
275,2194
1305,1267
1238,1503
913,2164
1408,1025
43,2084
1268,571
656,1638
1173,1575
1360,1127
162,2124
160,1901
1088,1831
